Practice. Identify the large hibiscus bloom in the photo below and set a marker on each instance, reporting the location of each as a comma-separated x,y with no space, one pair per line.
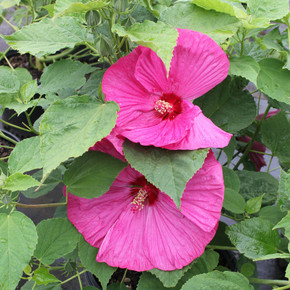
136,226
156,109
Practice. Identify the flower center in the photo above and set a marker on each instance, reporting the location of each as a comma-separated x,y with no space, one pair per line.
144,194
163,107
168,106
138,201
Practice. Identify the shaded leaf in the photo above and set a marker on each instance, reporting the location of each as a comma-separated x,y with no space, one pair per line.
92,174
228,106
273,80
56,237
233,201
254,184
276,135
272,214
88,255
244,66
231,179
166,169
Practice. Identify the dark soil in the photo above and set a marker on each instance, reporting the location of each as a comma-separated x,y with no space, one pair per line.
5,152
18,60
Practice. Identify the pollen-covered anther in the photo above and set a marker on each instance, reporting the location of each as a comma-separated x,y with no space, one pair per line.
138,201
163,107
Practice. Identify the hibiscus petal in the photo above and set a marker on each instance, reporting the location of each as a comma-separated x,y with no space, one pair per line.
198,65
159,236
120,85
94,217
203,133
112,144
165,131
151,72
203,197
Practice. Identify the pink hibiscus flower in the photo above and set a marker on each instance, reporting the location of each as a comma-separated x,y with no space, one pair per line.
136,226
156,109
111,144
256,158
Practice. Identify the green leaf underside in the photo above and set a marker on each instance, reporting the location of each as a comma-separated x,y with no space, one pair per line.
30,284
53,179
92,174
254,184
70,74
42,276
159,36
88,255
254,204
244,66
284,191
265,8
56,237
273,80
229,106
47,36
65,134
167,170
276,135
272,214
274,256
18,182
18,239
25,156
284,223
65,7
224,6
254,237
219,281
218,26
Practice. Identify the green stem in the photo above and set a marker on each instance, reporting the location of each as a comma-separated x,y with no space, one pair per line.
72,277
254,91
270,163
3,54
275,169
7,138
250,144
30,124
80,281
214,247
9,23
219,155
57,56
124,276
258,106
43,205
234,156
282,288
7,147
260,152
269,281
14,126
4,158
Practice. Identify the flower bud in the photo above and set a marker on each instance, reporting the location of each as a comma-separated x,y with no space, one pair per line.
93,18
104,45
121,5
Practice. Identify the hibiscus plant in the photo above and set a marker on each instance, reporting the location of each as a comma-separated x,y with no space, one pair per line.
160,124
